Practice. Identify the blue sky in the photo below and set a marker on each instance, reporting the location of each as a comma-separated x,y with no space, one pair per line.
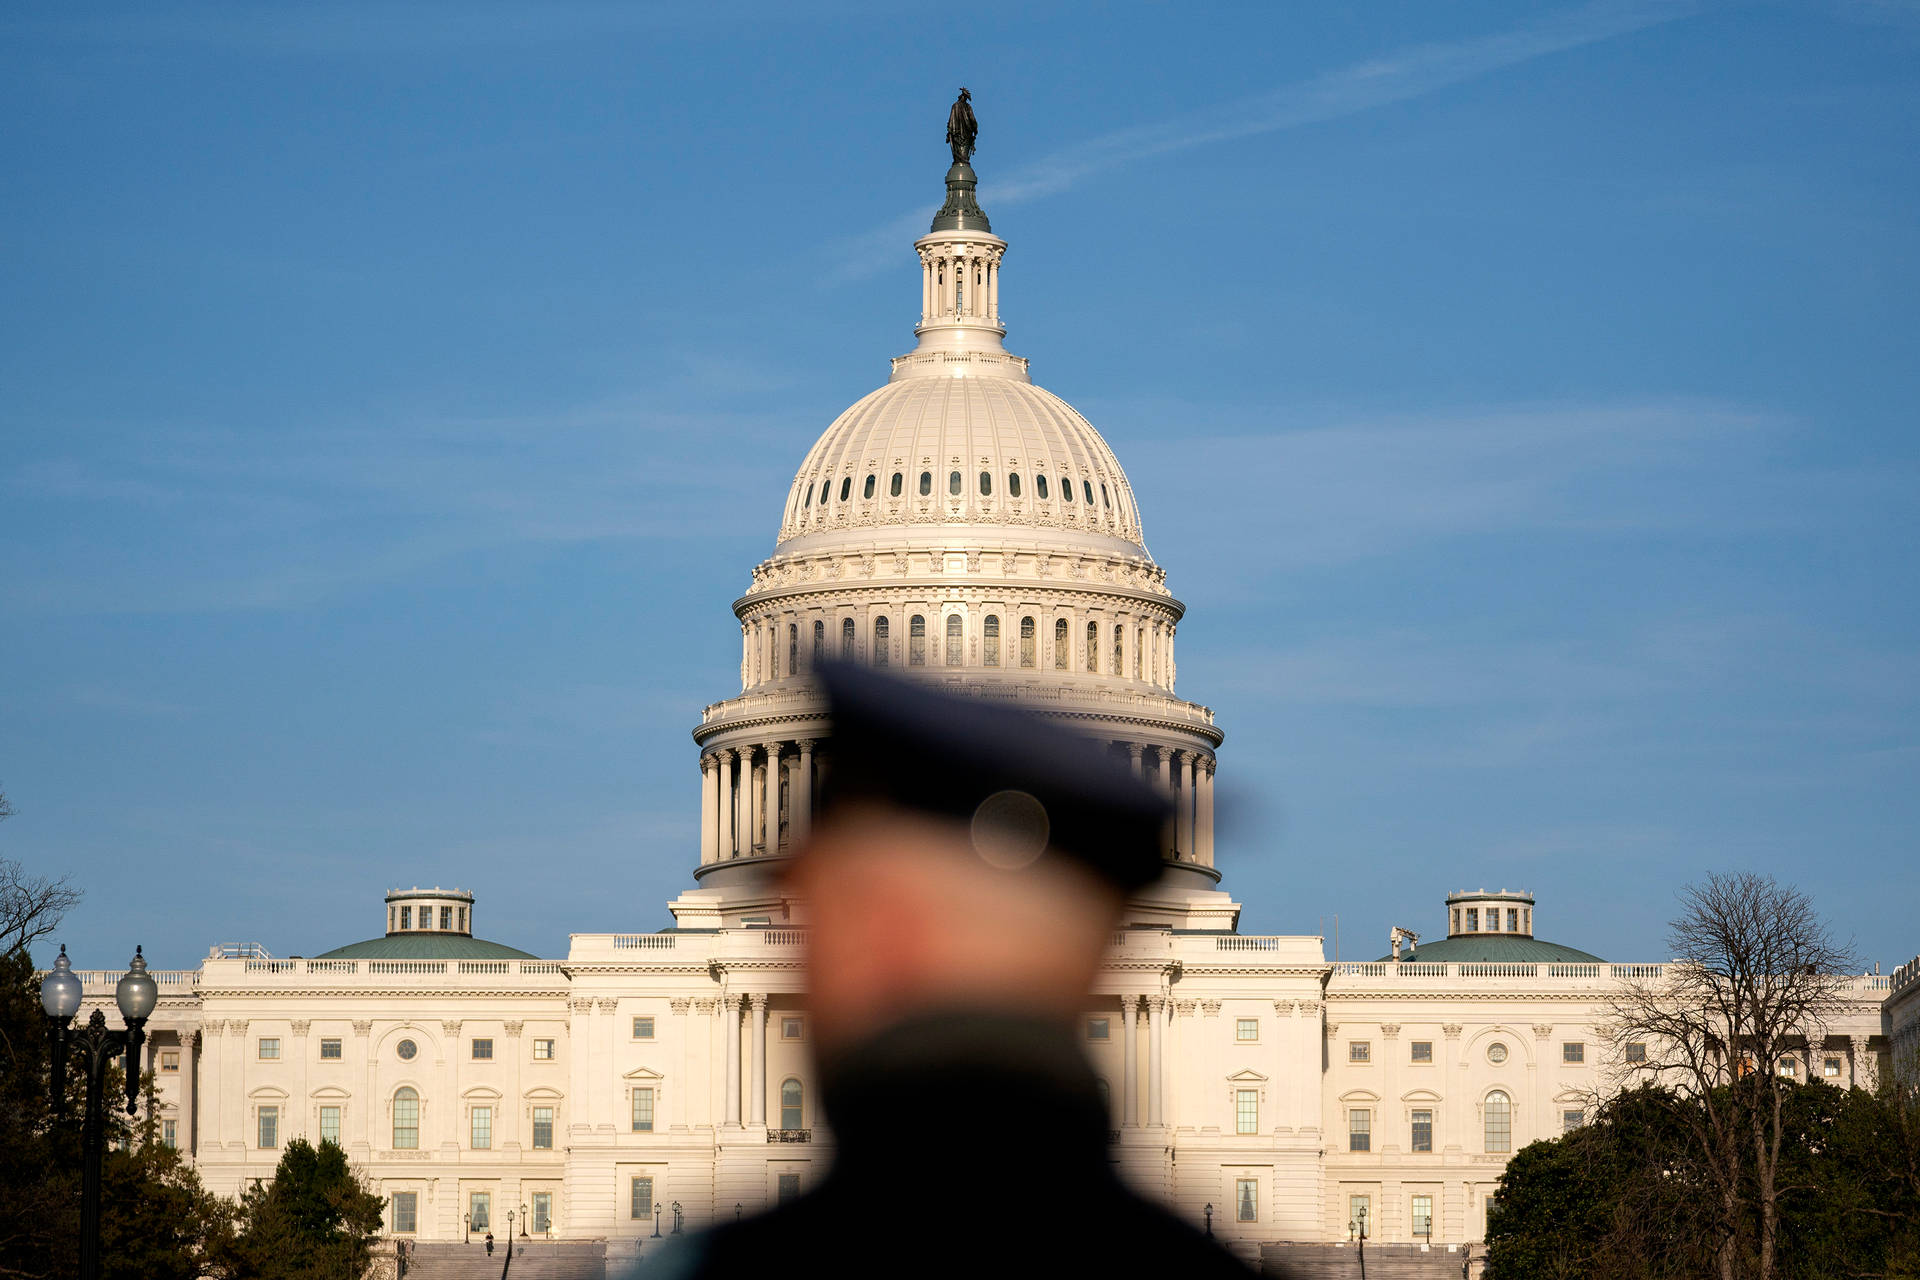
394,398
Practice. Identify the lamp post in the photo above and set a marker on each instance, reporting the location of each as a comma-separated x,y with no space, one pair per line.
656,1221
468,1219
1209,1219
737,1207
676,1217
1357,1230
60,992
523,1223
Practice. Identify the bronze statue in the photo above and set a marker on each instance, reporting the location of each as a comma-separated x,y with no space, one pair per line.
962,128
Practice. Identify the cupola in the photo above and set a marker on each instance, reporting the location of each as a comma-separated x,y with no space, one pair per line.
1500,911
416,910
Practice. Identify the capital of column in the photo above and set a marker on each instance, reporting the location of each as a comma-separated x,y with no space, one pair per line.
1158,1003
759,1002
1129,1005
708,762
724,755
359,1028
301,1028
807,745
1135,750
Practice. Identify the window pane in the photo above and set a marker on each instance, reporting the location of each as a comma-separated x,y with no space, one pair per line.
1093,646
406,917
543,1128
990,641
329,1049
406,1208
406,1120
789,1187
893,490
791,1097
1040,487
986,484
480,1205
955,650
1061,656
542,1212
1423,1131
483,1050
642,1202
482,1128
847,647
269,1127
793,649
543,1050
1119,634
330,1124
446,917
1573,1051
953,483
1066,488
916,641
926,483
1029,640
643,1111
1572,1119
170,1133
1422,1215
1360,1051
1013,484
846,488
1359,1130
880,627
1086,488
1246,1029
1244,1197
1423,1051
867,490
1499,1123
1099,1029
1246,1106
270,1048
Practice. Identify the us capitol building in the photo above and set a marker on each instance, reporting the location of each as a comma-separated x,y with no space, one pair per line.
962,525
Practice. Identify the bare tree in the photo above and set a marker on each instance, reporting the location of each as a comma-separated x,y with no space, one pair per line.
30,906
1756,975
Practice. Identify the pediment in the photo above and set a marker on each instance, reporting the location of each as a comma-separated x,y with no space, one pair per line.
544,1092
481,1092
1359,1095
266,1091
331,1092
643,1073
1420,1095
1570,1095
1248,1076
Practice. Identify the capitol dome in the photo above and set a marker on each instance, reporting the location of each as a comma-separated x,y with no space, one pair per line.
957,524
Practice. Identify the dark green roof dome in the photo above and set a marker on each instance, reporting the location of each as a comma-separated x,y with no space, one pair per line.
1495,948
426,946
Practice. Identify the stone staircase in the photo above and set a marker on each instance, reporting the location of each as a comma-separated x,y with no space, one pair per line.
532,1260
1384,1262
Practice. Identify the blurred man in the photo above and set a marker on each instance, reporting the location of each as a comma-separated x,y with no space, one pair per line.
965,872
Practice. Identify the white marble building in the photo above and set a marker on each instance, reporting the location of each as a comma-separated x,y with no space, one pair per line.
958,524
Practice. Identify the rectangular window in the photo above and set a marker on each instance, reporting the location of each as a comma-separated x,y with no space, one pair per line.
1637,1051
1423,1130
1360,1051
1246,1030
1098,1029
1473,919
789,1187
641,1203
170,1132
1572,1119
480,1205
330,1050
1513,919
482,1128
793,1028
1359,1210
543,1128
543,1050
330,1125
269,1048
1246,1199
269,1135
406,1212
1359,1129
1493,919
1788,1067
643,1111
1573,1051
542,1212
1423,1051
170,1060
1246,1111
446,917
643,1028
406,917
1830,1068
483,1049
1423,1216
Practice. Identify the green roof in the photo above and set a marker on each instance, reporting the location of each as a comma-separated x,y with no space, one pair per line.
425,946
1495,948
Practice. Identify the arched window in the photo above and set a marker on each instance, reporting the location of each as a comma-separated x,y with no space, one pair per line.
1013,484
917,641
1093,646
953,484
792,1113
1086,487
406,1120
809,501
1499,1113
867,491
826,489
793,648
1061,657
990,641
1028,641
1066,488
894,489
1040,487
846,640
955,649
1139,653
1106,1094
846,487
1119,649
819,642
986,484
1105,501
880,626
926,483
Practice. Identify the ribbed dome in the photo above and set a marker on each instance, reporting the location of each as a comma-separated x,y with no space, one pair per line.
977,446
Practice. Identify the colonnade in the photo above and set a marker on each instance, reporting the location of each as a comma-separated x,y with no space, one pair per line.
959,280
1185,777
1159,1013
752,1109
756,799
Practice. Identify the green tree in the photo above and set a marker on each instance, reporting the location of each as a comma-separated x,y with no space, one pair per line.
316,1220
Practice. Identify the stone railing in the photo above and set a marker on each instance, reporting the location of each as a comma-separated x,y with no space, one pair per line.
962,682
1905,976
783,937
1414,970
644,941
170,981
294,972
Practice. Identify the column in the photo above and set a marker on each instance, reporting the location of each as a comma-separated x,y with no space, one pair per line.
926,290
1189,812
993,281
803,792
190,1093
709,819
1156,1048
1134,752
1164,779
1860,1062
1204,836
743,804
1166,770
364,1107
297,1123
757,1113
730,1030
773,798
515,1124
1130,1074
723,805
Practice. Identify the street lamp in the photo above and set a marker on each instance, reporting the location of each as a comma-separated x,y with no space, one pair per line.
737,1207
1357,1230
468,1219
676,1217
523,1223
1209,1218
60,992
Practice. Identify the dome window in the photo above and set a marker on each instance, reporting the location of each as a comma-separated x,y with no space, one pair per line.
1093,647
846,487
1061,647
917,641
809,498
847,644
1066,488
955,646
826,487
880,629
986,484
1040,488
793,648
1119,650
894,489
1086,488
926,483
990,641
819,642
1028,640
953,484
1105,501
1013,484
867,492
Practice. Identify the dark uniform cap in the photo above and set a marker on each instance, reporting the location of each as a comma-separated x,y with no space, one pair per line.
1025,785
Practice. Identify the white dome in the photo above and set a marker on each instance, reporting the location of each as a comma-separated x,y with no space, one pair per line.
1017,455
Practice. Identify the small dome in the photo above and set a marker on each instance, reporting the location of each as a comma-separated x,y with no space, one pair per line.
970,450
1494,948
426,946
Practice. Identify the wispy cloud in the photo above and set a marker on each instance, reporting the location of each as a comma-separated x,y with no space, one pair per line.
1395,77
